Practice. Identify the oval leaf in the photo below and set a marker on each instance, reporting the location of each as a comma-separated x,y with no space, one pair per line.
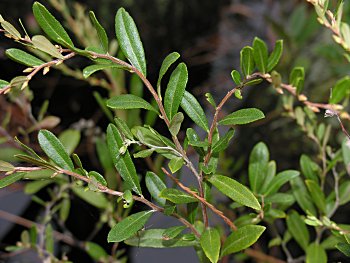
279,180
316,254
55,150
89,70
155,238
70,140
128,226
155,185
129,40
176,196
242,116
167,62
175,90
51,26
122,162
317,195
340,90
10,179
98,177
241,239
210,243
43,44
258,164
302,196
260,54
223,143
101,32
23,57
93,198
236,191
194,110
175,123
247,61
297,228
129,101
275,55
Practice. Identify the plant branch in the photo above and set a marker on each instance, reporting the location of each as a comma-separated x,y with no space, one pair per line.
202,200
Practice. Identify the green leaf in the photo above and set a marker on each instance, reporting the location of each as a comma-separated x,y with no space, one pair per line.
98,177
3,83
236,77
167,62
5,166
258,162
268,177
93,198
95,251
210,99
123,128
194,110
176,196
51,26
49,239
129,40
23,57
345,147
242,116
297,228
128,226
129,101
89,70
309,168
65,209
143,153
55,150
173,232
101,32
10,179
236,191
280,198
279,180
147,137
9,28
275,55
43,44
175,123
315,254
70,139
296,78
340,90
35,186
122,162
241,239
302,196
175,90
317,195
210,243
175,164
344,248
154,238
155,185
224,142
260,54
247,61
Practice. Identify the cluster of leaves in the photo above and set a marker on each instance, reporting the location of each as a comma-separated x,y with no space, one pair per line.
263,202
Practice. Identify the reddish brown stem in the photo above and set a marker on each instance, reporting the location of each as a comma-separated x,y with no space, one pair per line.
202,200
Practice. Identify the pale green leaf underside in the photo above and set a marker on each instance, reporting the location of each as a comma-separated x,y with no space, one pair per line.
154,238
23,57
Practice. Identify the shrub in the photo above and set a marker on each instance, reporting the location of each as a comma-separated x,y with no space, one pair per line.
304,202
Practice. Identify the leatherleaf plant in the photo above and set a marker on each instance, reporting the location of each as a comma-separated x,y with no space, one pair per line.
285,207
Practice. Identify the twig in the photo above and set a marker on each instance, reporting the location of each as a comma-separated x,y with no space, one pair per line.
202,200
